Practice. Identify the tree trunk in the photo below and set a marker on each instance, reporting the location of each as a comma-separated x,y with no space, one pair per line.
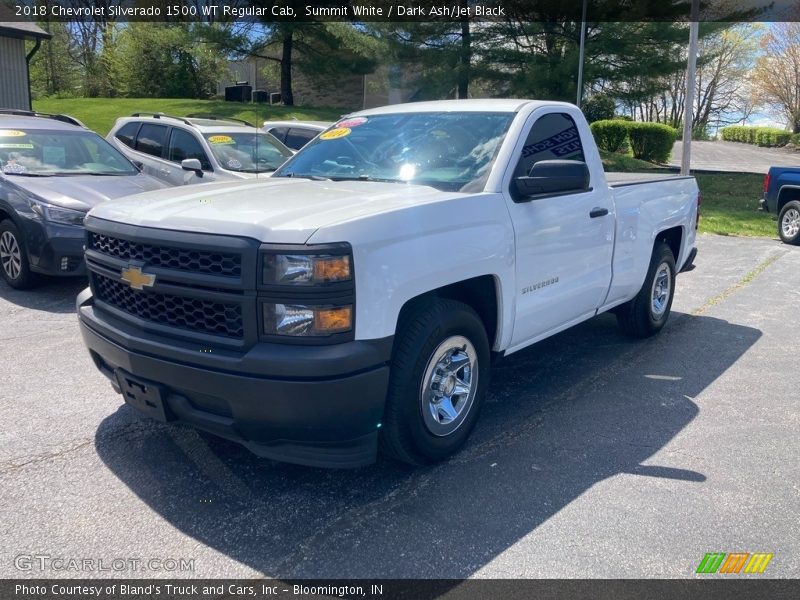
464,57
286,69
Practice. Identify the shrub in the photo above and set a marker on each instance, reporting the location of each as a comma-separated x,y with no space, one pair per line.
598,107
610,135
795,139
770,137
652,141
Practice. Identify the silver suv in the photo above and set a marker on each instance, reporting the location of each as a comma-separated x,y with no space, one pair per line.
197,148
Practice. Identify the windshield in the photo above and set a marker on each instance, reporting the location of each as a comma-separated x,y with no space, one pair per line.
247,151
44,153
451,151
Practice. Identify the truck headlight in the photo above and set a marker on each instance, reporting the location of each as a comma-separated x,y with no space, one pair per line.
55,214
301,320
306,269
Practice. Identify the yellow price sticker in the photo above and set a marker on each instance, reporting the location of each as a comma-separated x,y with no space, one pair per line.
334,134
221,139
11,133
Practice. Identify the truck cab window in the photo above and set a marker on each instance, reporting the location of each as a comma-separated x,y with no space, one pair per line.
553,136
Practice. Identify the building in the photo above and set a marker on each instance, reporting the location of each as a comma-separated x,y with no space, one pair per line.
15,88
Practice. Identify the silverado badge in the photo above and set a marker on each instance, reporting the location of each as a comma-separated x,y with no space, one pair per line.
136,279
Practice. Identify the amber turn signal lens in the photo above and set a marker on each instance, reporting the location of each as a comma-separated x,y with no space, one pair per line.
331,268
333,320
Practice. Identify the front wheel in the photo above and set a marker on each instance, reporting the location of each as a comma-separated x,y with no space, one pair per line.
648,312
789,223
14,266
439,378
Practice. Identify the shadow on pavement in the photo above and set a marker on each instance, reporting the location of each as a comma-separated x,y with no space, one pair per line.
53,294
562,416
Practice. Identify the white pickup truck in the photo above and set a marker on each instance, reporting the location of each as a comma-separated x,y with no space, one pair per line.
354,301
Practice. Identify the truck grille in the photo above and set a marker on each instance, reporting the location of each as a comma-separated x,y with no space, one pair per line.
192,314
180,259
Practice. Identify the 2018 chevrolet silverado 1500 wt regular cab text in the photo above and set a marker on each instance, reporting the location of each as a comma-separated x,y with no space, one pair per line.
354,300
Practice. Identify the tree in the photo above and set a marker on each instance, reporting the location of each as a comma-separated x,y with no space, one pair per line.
776,79
165,61
52,70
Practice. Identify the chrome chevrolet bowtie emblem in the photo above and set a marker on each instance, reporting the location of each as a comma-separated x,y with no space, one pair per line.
136,279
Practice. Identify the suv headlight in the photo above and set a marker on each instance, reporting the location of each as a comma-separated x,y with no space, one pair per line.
56,214
306,269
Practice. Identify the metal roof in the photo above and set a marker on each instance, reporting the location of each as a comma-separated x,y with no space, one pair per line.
22,29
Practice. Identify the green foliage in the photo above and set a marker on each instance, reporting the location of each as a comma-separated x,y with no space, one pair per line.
52,70
610,135
795,139
768,137
164,61
652,141
598,107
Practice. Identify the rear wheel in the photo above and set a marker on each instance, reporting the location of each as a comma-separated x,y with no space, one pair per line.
648,312
14,266
789,223
440,373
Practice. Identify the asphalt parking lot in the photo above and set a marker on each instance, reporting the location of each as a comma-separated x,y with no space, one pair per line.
596,456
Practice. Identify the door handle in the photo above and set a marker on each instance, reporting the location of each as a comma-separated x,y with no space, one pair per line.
598,212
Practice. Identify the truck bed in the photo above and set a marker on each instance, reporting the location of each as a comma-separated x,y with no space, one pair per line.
622,179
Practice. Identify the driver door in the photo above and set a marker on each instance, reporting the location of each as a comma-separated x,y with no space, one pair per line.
564,242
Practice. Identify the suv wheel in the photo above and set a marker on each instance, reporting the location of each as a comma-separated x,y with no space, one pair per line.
440,374
14,266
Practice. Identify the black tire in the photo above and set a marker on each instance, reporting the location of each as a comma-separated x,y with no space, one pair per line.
423,335
639,317
15,267
790,231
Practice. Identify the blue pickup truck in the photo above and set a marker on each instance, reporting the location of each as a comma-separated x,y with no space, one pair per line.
782,198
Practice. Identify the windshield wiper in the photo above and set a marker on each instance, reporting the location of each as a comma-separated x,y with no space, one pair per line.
369,178
28,174
306,176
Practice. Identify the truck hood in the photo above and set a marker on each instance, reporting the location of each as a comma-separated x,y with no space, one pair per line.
83,192
279,210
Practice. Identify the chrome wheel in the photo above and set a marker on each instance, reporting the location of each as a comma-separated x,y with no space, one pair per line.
662,285
449,385
10,255
790,223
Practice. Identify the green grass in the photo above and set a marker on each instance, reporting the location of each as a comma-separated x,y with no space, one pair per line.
730,200
730,205
99,114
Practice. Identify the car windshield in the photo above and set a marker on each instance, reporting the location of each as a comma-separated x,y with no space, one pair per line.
451,151
247,151
42,153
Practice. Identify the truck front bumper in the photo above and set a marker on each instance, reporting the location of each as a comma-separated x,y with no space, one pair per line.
329,417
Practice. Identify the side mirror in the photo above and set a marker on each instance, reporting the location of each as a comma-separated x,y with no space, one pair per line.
550,177
192,164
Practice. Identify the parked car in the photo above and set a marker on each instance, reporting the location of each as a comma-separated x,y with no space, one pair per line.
200,149
52,171
296,134
782,198
355,299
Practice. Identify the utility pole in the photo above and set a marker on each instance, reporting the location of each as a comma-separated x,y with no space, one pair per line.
691,69
581,52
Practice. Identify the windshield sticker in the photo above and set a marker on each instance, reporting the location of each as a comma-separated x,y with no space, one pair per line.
440,133
12,167
334,134
11,133
354,122
17,146
54,155
234,164
221,139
